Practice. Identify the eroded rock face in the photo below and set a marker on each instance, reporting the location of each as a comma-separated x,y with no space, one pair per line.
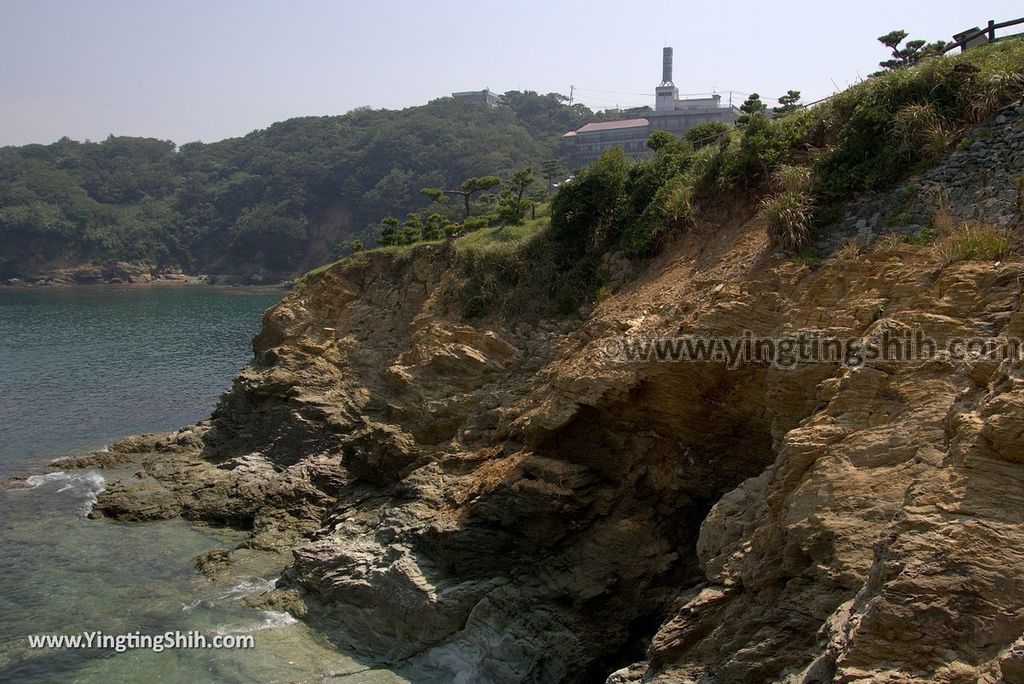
883,541
506,502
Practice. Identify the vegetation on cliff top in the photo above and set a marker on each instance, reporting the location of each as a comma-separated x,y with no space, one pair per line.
800,165
865,138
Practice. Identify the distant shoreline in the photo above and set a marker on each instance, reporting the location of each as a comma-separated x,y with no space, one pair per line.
181,281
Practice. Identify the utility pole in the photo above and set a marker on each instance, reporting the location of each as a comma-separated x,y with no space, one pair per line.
571,89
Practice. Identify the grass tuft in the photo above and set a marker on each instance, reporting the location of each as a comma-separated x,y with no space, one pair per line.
788,217
920,131
849,251
974,241
789,178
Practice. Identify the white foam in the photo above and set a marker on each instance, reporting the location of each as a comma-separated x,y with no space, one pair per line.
245,587
273,619
189,607
34,481
89,483
270,619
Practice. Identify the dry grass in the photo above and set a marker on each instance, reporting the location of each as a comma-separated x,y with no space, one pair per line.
677,205
995,91
974,241
788,217
890,242
849,251
787,178
943,220
921,131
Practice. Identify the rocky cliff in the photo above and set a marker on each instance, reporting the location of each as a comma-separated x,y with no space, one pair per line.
503,500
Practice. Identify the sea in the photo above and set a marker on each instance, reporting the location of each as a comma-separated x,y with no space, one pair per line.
80,367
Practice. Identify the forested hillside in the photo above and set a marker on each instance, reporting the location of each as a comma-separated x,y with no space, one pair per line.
274,202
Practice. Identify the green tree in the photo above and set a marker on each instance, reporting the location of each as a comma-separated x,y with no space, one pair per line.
390,235
347,248
435,194
790,102
706,133
436,227
589,211
253,203
545,115
552,171
511,205
474,186
412,229
912,52
751,107
659,139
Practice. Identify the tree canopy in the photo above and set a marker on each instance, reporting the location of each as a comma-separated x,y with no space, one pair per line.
912,52
278,200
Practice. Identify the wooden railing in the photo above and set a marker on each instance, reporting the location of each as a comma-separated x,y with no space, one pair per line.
989,33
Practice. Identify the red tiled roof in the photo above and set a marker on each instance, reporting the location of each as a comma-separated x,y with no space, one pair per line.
612,125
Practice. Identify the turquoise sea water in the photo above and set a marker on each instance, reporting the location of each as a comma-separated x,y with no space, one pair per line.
79,368
83,366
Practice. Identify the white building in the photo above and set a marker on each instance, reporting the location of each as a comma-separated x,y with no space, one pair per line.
670,114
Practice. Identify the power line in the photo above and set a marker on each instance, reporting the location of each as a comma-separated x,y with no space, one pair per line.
614,92
622,92
618,103
704,94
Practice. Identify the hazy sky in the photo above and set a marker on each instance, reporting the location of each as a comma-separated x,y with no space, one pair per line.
191,70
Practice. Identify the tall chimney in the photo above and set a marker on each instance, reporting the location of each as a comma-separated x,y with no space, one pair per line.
666,66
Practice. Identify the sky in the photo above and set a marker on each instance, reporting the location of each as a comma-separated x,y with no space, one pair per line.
187,70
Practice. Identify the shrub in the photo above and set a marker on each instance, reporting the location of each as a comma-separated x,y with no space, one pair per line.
472,223
974,241
877,131
648,177
659,139
708,165
677,202
706,133
672,208
788,218
759,150
436,227
588,211
527,279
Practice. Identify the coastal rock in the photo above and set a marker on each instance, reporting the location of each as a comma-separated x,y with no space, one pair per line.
512,501
133,502
214,562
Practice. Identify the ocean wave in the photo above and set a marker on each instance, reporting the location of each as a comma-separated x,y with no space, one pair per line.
269,619
88,483
244,587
